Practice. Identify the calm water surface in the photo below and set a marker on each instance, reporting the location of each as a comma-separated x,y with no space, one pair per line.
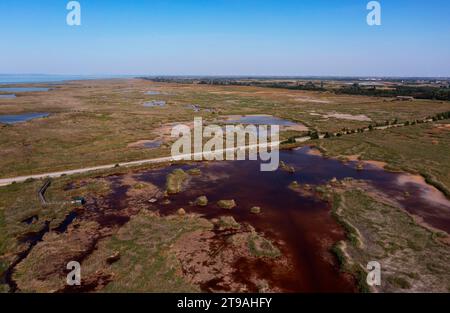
12,96
303,223
13,119
23,89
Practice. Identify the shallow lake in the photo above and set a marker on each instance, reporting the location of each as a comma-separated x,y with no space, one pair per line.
13,119
23,89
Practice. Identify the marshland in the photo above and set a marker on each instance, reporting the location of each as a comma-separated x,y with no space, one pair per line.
333,205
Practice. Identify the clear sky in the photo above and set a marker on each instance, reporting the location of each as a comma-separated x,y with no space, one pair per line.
226,37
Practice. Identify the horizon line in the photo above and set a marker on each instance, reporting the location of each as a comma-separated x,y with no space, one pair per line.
228,75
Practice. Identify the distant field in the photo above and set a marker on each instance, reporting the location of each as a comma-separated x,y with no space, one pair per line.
93,122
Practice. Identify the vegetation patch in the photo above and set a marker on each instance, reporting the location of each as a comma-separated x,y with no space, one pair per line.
194,172
175,180
227,223
201,201
412,257
408,149
262,247
146,263
226,204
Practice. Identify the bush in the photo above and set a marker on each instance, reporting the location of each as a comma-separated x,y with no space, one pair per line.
226,204
201,201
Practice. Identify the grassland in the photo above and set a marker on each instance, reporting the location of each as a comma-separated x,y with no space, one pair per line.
94,122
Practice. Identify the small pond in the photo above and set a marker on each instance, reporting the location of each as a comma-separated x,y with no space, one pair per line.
152,93
152,144
154,103
260,120
13,119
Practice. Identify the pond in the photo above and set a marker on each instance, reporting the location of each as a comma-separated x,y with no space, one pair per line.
152,144
263,119
155,103
193,107
197,108
13,119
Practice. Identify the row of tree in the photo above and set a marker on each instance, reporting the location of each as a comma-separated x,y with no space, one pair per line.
314,134
419,92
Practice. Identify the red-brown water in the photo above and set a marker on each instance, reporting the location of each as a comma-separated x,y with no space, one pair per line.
304,224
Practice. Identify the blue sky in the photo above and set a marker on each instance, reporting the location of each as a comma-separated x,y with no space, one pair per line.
226,37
